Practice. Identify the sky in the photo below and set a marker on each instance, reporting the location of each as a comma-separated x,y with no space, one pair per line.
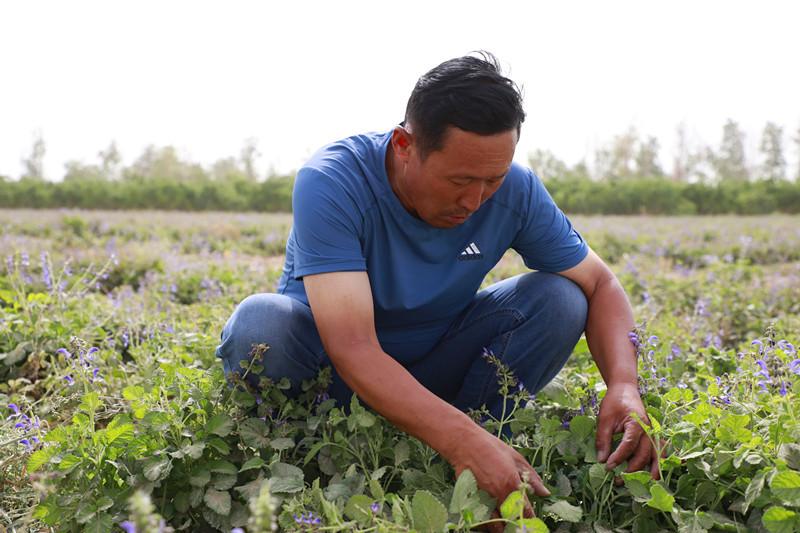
206,76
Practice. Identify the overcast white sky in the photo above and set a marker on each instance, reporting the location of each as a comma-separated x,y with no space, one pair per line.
204,76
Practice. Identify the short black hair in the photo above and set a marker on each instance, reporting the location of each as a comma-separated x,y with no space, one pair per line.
468,92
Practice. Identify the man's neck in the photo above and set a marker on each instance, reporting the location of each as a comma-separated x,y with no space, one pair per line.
394,180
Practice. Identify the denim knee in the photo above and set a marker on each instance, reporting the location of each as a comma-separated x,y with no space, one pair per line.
283,324
567,307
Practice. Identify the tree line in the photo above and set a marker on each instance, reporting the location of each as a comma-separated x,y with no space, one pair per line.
626,178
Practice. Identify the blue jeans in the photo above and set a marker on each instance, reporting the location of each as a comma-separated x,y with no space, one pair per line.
531,322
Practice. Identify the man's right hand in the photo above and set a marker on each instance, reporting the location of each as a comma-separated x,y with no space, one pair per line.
343,312
498,468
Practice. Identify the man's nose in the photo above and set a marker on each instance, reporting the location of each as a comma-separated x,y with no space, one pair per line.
472,198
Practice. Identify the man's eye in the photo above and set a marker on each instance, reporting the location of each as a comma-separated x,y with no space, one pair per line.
460,181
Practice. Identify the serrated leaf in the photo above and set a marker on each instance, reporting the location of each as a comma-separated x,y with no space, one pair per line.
532,525
39,458
401,452
565,511
466,486
580,427
156,468
221,467
251,489
195,451
223,481
286,485
790,452
101,523
283,443
428,513
199,477
786,486
119,434
660,499
513,505
133,392
780,520
68,462
253,433
218,501
358,509
252,463
220,424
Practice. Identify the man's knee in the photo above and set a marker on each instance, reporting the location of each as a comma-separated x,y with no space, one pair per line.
563,300
250,325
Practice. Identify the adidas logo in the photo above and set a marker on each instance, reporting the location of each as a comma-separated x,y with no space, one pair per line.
470,252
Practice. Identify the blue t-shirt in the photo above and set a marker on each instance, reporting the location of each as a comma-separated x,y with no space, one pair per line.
346,217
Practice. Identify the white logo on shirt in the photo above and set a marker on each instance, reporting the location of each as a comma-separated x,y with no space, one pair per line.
470,252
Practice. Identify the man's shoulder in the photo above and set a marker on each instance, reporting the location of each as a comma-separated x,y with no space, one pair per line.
362,152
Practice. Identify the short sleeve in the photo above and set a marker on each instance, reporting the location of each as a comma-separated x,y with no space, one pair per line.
547,241
327,226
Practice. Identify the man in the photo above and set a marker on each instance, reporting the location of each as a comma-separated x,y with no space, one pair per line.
393,234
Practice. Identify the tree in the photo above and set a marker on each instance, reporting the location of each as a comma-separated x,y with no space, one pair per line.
773,166
164,164
110,158
34,164
618,160
249,155
546,165
647,165
729,162
797,142
681,168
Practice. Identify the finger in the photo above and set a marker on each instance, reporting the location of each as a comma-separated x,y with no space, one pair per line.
643,455
531,477
603,440
628,444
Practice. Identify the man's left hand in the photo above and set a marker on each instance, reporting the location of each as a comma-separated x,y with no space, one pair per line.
615,417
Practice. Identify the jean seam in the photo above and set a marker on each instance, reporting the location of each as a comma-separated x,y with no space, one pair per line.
518,317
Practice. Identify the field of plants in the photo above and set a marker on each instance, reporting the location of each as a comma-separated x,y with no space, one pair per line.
116,415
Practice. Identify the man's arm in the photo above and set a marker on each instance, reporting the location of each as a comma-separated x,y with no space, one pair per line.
609,321
341,303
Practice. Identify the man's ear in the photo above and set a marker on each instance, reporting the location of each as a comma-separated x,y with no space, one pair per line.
402,141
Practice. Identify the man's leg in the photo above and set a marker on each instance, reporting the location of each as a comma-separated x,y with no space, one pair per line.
287,326
530,322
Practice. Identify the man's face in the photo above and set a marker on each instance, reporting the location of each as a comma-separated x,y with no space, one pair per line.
452,183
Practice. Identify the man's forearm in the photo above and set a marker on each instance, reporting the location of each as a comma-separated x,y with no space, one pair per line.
386,386
609,321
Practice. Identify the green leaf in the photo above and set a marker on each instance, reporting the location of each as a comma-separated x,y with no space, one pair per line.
512,507
780,520
101,523
156,468
121,434
253,433
220,424
754,489
598,475
133,392
429,515
283,443
660,498
358,509
790,453
314,451
565,511
222,467
252,463
223,481
466,487
69,462
286,478
195,451
580,427
39,458
199,477
401,452
732,429
181,502
532,525
218,501
786,486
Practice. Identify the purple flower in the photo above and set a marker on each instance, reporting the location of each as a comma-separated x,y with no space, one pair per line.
764,370
237,530
652,340
782,390
794,367
91,351
10,264
95,376
128,526
27,443
787,347
64,352
46,279
375,507
14,408
758,343
69,380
